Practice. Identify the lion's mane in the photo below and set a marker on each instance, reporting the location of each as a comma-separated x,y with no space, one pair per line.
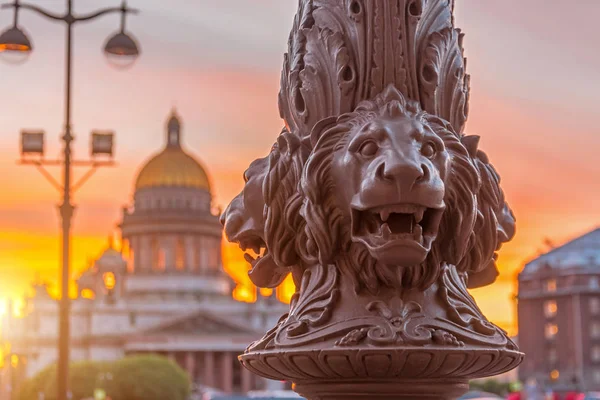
493,215
283,201
326,238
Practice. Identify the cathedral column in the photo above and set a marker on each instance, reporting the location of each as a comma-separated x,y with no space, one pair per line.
203,254
209,369
168,244
198,254
190,365
214,251
145,256
218,245
246,380
189,253
134,252
227,372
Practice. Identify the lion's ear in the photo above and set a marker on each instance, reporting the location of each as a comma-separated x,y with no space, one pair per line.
471,143
288,142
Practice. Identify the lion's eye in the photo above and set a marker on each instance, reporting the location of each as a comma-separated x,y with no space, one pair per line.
428,150
368,149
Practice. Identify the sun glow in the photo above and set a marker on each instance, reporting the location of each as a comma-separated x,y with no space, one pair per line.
244,293
88,294
109,280
19,308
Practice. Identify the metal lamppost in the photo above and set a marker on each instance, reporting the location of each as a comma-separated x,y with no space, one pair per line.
14,42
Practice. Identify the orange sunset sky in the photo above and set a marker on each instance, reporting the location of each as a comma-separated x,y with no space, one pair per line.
535,93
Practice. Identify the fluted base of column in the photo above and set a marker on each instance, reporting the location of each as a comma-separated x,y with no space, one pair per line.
416,390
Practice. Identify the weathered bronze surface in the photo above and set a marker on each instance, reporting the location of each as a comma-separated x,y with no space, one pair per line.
380,207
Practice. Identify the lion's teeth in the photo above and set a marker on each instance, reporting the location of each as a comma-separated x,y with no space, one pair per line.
386,231
249,258
384,214
419,214
418,232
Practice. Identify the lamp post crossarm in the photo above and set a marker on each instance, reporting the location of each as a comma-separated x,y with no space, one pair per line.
39,10
74,163
99,13
92,164
84,178
48,176
69,18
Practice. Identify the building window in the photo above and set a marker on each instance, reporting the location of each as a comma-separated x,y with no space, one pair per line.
161,262
110,280
552,356
596,353
551,331
597,375
551,285
550,308
88,294
131,262
595,305
132,318
180,254
595,330
594,284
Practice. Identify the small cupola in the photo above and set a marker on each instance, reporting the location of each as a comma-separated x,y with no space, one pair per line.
174,130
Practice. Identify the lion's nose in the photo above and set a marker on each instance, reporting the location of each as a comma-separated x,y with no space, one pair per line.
404,172
223,217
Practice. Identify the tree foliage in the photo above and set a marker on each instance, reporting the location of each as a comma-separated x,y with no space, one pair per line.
131,378
491,386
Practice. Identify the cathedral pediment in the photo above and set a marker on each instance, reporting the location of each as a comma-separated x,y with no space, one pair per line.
200,323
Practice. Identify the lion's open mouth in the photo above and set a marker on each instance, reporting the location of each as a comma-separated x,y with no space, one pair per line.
258,247
397,222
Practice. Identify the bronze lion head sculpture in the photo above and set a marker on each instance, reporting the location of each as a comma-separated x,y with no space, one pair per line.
387,193
390,192
264,215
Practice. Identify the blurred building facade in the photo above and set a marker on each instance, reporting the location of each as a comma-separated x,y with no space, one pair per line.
559,315
165,292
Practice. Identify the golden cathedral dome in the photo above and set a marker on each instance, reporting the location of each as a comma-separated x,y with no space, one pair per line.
173,167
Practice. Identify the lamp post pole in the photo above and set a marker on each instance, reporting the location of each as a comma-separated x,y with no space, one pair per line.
66,214
14,40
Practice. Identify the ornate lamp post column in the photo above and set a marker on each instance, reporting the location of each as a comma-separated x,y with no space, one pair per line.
380,207
15,45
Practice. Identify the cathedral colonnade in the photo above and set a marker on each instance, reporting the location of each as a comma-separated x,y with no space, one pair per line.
215,369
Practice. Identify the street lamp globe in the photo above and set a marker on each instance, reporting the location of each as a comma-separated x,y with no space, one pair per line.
121,50
15,46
